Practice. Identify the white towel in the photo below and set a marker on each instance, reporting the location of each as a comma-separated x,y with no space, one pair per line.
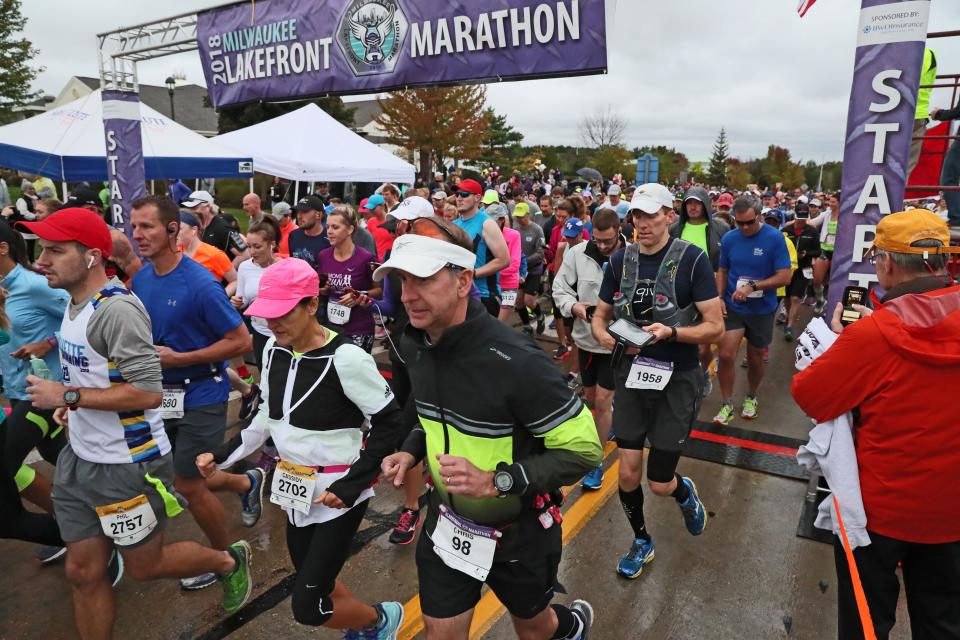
830,451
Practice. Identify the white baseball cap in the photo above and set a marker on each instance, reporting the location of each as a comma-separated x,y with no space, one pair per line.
439,195
196,199
412,208
651,197
815,202
614,190
422,256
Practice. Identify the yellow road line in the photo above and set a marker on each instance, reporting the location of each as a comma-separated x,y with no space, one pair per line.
489,609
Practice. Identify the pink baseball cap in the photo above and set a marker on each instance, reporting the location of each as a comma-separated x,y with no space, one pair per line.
282,286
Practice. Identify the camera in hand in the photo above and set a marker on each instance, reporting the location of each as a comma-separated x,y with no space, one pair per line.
852,296
627,334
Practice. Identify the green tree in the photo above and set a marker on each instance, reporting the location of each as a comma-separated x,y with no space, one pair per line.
238,117
16,74
778,168
441,122
717,173
612,159
502,144
738,174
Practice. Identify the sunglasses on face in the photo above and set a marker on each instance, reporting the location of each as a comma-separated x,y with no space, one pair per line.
464,194
747,223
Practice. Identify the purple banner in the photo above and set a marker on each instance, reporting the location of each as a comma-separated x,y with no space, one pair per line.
886,76
282,49
125,173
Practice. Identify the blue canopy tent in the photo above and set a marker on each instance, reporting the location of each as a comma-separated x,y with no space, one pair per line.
67,144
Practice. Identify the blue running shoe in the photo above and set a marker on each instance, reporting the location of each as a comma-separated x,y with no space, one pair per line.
252,500
694,515
391,616
593,479
641,553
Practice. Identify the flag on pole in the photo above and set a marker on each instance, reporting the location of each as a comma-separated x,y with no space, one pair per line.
804,6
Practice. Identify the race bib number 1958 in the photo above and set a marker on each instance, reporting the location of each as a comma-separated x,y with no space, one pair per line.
647,373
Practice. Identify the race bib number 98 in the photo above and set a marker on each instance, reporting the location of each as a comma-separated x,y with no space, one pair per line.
464,545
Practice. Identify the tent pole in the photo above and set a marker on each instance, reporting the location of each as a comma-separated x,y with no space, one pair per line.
251,184
153,190
63,186
296,191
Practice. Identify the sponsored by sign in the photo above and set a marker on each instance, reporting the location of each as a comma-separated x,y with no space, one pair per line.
883,100
301,48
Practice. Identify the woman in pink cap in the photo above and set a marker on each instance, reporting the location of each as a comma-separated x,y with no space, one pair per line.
319,389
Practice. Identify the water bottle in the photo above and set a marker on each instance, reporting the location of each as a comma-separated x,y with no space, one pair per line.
39,368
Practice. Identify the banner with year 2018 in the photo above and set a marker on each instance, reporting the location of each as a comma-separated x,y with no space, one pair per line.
886,76
282,49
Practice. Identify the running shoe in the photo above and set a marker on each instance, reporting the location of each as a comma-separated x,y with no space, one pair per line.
250,403
541,324
694,515
573,381
593,479
781,314
707,384
788,334
641,553
809,301
749,408
818,307
48,554
115,568
406,529
196,583
252,500
553,325
561,352
237,584
391,617
267,462
583,610
725,416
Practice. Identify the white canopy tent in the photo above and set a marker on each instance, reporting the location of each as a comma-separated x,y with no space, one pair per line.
67,144
308,145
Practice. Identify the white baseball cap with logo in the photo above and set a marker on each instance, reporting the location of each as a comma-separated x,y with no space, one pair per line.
614,190
423,256
196,199
651,197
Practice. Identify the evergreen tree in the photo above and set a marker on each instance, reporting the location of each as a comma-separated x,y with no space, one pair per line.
717,173
16,74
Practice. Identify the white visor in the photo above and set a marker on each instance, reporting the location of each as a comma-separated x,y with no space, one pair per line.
423,256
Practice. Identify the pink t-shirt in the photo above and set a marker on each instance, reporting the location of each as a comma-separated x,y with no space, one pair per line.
510,277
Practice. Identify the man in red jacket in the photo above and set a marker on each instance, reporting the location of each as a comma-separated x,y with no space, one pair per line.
896,369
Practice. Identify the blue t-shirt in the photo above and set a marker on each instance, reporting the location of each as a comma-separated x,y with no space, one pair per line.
753,258
35,311
489,286
189,310
307,247
695,282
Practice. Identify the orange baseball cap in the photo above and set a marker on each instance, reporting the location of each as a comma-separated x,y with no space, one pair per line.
897,231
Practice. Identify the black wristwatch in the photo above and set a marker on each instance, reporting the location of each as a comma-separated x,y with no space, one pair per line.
71,398
502,480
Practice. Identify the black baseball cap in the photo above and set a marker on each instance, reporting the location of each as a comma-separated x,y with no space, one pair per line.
82,196
310,203
802,211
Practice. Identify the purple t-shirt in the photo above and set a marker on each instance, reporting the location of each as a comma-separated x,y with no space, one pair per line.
355,273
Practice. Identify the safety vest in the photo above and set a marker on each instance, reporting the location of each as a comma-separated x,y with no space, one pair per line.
928,75
666,309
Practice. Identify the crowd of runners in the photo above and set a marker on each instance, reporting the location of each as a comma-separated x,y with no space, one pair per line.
118,369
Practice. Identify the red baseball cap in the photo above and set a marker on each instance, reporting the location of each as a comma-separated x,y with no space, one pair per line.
470,186
282,286
73,225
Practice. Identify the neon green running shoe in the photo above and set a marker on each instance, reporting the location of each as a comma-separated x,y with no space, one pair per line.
238,584
725,416
749,408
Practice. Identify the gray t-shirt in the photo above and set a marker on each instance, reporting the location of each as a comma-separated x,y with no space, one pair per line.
120,330
533,243
364,239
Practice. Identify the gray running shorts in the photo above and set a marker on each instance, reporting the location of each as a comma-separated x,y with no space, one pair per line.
200,430
79,487
662,417
757,329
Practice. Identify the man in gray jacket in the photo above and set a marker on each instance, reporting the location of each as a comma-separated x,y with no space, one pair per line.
696,225
575,291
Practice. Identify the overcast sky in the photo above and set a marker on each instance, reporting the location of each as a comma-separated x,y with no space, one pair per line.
678,70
